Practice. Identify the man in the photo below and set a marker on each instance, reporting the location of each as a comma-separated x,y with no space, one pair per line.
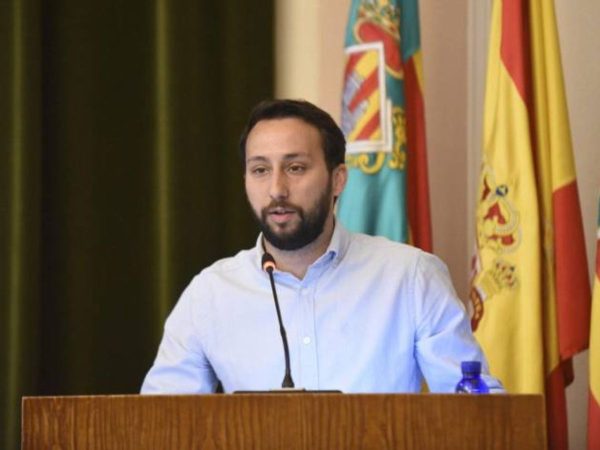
363,314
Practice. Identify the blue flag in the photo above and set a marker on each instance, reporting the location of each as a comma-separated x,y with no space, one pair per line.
383,121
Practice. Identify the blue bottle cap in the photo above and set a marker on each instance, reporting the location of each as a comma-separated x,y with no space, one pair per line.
471,366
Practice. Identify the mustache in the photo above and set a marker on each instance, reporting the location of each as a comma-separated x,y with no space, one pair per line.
280,205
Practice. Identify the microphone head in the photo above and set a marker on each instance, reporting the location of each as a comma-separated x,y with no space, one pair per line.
268,262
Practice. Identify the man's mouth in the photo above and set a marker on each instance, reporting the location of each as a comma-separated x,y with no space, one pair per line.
281,214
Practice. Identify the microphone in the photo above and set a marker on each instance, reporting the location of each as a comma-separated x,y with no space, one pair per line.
268,265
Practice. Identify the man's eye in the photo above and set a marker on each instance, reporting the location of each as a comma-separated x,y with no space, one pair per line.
296,168
258,170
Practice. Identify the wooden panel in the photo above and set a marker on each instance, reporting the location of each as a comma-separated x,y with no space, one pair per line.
284,421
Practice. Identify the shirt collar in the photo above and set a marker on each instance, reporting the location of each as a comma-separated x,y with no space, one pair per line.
340,240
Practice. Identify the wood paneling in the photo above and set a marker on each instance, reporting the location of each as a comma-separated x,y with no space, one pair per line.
284,421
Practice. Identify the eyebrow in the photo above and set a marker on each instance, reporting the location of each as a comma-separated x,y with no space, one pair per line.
286,157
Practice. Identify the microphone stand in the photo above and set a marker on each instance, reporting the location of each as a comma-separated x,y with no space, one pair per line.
287,379
287,386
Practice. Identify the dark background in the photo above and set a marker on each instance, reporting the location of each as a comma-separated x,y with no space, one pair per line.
119,179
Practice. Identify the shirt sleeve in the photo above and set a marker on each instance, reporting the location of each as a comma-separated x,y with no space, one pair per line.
443,336
181,367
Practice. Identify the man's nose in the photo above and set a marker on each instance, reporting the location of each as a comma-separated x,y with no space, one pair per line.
279,186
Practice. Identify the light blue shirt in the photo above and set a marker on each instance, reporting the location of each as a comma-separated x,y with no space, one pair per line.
370,315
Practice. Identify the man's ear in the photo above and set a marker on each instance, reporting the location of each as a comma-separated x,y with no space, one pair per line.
340,177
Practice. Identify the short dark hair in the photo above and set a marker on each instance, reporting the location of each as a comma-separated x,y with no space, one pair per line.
332,138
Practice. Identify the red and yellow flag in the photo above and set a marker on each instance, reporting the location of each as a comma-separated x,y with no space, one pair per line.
530,287
594,357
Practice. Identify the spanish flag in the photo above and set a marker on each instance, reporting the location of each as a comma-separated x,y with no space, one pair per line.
530,287
594,356
383,120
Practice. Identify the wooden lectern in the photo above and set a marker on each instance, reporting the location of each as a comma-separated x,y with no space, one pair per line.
284,421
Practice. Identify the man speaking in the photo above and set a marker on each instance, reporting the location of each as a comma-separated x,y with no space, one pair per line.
362,314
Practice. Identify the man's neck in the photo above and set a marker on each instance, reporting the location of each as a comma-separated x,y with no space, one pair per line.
297,261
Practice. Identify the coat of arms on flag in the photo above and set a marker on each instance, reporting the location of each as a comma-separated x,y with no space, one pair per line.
366,111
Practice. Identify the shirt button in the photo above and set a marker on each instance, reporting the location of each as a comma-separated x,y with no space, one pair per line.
306,340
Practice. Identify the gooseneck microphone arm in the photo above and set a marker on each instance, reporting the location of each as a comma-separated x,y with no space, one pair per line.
268,264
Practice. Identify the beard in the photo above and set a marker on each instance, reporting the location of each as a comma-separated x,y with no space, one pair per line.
310,227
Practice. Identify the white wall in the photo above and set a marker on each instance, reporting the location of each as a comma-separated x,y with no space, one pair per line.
309,53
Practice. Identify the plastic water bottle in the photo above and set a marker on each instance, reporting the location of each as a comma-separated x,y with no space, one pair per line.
471,382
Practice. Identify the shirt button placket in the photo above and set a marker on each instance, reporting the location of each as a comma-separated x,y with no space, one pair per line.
308,348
